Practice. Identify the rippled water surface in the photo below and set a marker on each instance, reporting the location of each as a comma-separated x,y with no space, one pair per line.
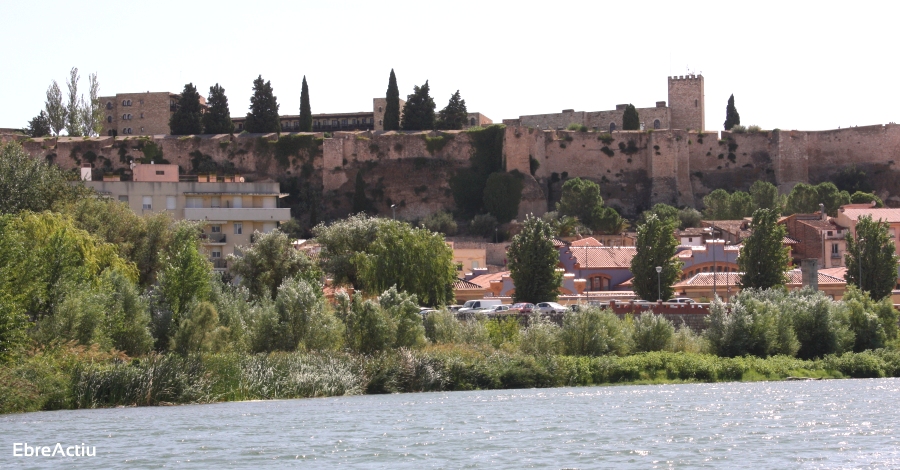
814,424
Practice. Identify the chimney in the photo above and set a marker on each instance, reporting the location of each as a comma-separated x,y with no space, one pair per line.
822,210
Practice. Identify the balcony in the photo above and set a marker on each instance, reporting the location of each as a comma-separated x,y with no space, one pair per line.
219,264
226,214
836,256
212,238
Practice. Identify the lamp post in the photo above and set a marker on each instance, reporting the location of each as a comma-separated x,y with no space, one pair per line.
658,284
394,211
715,245
859,244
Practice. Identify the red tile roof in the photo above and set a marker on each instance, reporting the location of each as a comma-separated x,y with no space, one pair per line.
485,279
557,243
706,279
603,257
835,272
461,284
796,277
886,215
589,241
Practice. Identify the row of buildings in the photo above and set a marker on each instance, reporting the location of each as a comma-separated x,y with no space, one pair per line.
148,113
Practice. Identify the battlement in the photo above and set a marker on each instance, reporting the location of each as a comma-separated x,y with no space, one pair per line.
686,77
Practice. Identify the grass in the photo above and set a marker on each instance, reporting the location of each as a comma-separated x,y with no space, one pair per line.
70,378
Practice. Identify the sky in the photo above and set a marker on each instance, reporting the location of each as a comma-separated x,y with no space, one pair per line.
790,65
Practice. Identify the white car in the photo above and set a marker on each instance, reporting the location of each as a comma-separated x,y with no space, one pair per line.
550,307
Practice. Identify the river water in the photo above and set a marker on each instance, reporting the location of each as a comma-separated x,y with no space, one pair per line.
810,424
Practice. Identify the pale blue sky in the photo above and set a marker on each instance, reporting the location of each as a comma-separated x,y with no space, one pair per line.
790,65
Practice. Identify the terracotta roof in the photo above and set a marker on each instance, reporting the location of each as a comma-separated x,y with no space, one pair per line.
789,241
557,243
692,232
819,224
603,257
484,280
706,279
796,277
886,215
835,272
589,241
461,284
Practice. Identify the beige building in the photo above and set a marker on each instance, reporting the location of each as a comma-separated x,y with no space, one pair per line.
139,113
468,258
231,210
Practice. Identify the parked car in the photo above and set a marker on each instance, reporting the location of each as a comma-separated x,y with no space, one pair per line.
521,307
495,310
681,300
472,306
551,307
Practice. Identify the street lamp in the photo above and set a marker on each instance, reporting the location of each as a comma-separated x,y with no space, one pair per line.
715,243
394,211
859,244
658,284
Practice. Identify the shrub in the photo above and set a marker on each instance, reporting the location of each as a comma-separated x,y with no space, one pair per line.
442,327
753,129
577,127
592,332
502,195
541,337
738,129
483,225
756,325
440,222
652,333
503,331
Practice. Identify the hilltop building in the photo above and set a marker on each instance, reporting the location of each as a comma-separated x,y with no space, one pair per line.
139,113
685,110
230,209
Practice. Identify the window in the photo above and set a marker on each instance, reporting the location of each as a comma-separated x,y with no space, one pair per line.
109,105
379,109
612,126
459,266
148,203
834,248
656,124
474,264
343,122
123,102
160,172
124,116
123,199
215,201
108,118
217,253
334,122
696,103
142,103
142,115
142,130
238,202
380,122
215,229
170,201
238,228
472,122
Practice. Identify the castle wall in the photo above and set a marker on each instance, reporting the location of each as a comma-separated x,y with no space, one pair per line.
553,121
600,120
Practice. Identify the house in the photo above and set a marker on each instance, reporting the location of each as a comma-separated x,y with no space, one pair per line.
816,236
701,286
603,268
732,231
848,216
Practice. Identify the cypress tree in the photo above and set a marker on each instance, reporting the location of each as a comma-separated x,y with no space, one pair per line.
763,258
732,118
305,112
630,119
392,107
418,114
455,115
656,246
187,119
217,119
263,115
360,201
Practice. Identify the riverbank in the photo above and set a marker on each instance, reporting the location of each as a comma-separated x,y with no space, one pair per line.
75,377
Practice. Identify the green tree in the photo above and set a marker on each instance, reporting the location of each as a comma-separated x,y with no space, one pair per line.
663,212
369,329
392,105
756,324
305,322
361,202
263,115
871,254
306,120
418,113
630,119
764,195
74,125
581,199
873,323
440,222
415,260
502,195
593,332
740,205
732,118
217,118
341,241
29,184
185,273
91,111
56,111
199,331
860,197
832,197
39,126
532,263
717,205
763,258
852,179
403,308
689,217
655,247
652,333
455,115
805,198
188,117
265,265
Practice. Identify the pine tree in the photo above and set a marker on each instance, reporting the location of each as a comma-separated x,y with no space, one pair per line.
873,249
732,118
656,246
263,115
188,118
418,114
305,111
630,119
455,115
217,118
39,126
764,258
533,261
56,111
392,107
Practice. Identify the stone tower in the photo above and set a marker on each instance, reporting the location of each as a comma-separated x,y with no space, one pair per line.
686,103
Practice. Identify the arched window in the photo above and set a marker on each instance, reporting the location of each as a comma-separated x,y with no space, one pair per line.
108,118
124,102
472,122
612,126
656,124
109,105
696,103
380,122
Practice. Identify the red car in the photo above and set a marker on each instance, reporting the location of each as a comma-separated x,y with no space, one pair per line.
521,307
